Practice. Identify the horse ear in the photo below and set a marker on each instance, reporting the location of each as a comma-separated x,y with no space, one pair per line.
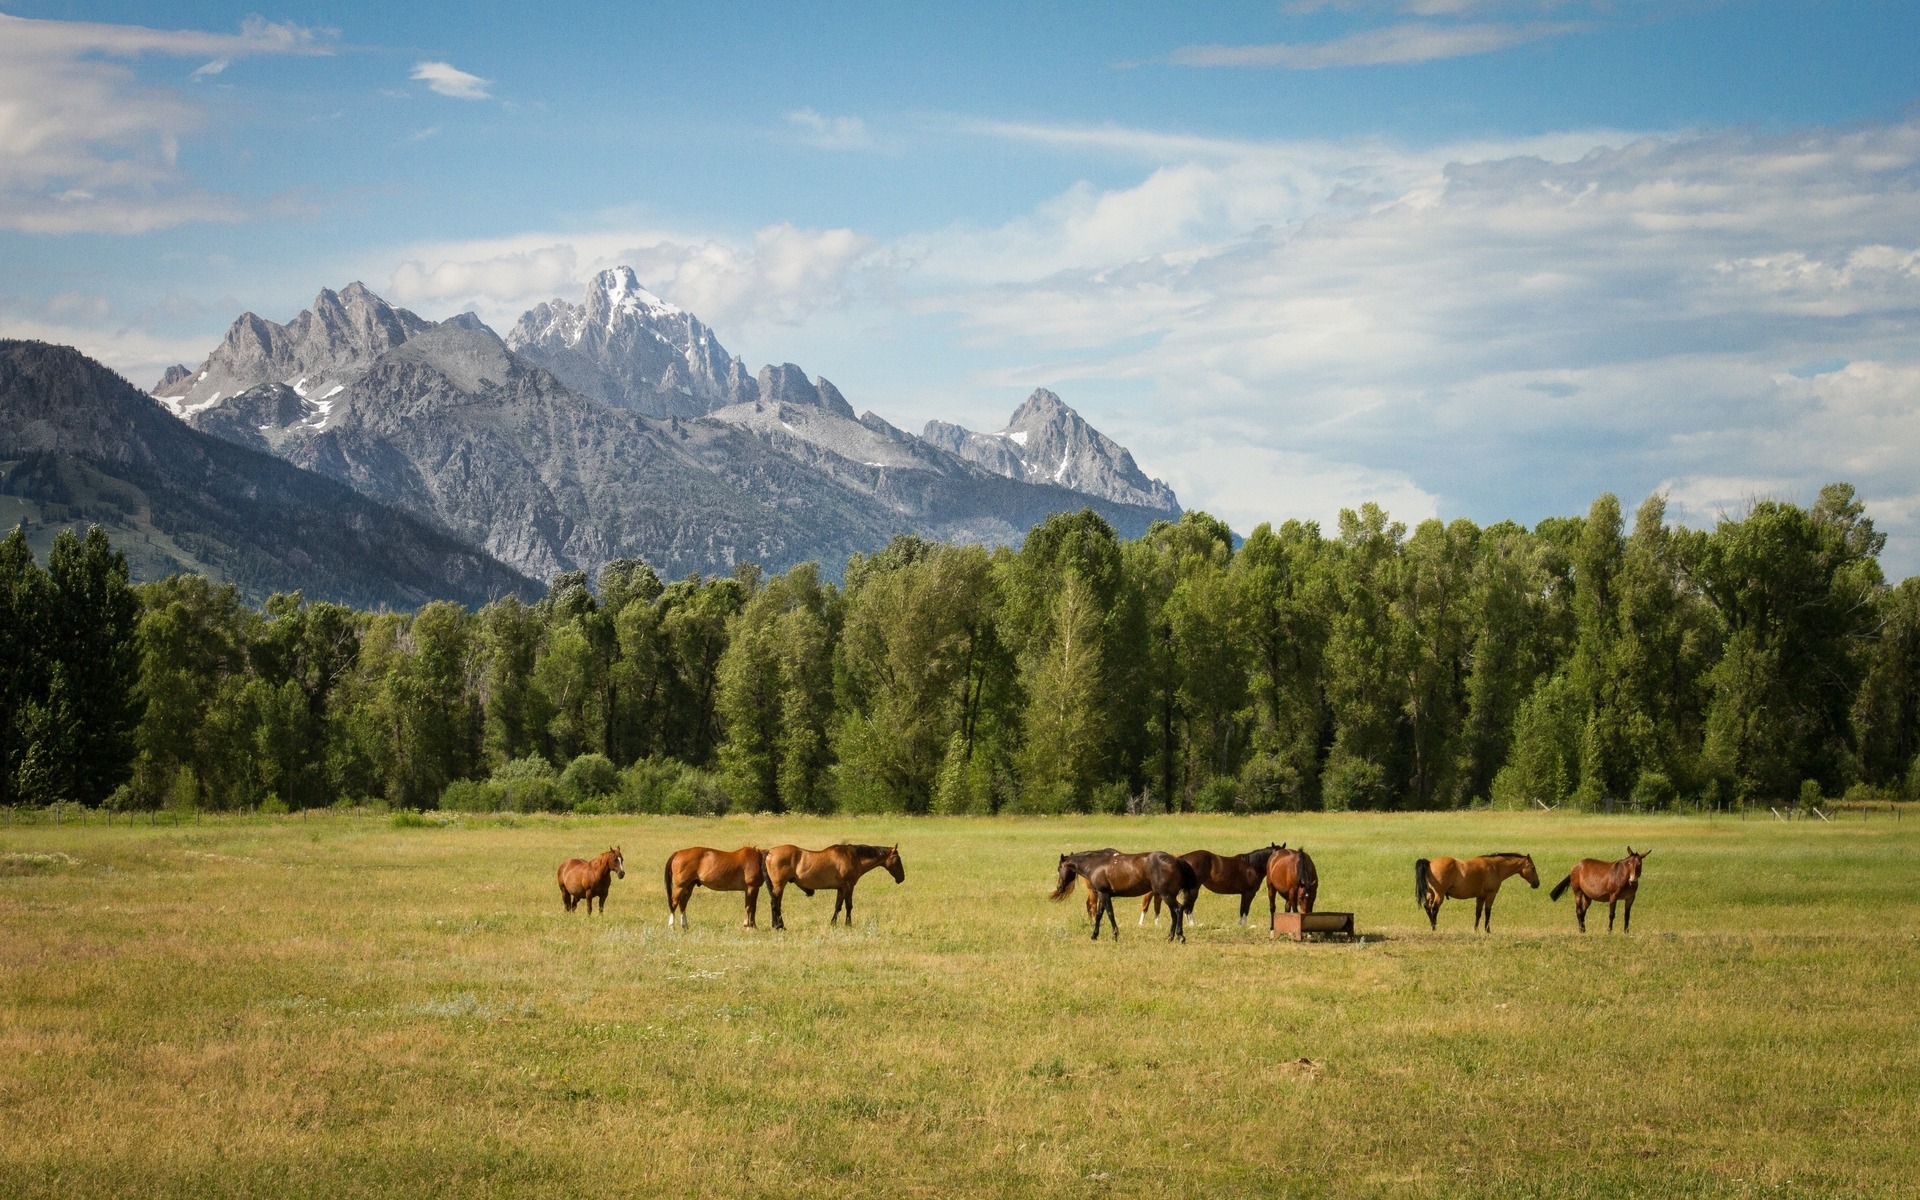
1645,854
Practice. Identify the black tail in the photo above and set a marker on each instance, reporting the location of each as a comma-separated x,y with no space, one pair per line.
1420,866
1560,889
666,873
1189,884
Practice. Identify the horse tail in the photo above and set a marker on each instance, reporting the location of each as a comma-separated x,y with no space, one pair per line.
1189,885
667,875
1560,889
1420,873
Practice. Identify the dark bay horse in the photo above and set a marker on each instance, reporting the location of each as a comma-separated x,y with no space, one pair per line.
837,867
1110,874
589,880
1478,879
1615,882
1291,873
742,870
1227,875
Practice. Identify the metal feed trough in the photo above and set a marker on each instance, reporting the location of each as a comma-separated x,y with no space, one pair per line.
1300,926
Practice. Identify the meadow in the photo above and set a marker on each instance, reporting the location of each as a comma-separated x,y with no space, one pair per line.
344,1006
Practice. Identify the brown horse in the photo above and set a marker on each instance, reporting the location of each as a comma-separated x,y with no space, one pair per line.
1291,873
1478,879
580,879
1110,874
837,867
1227,875
742,870
1615,882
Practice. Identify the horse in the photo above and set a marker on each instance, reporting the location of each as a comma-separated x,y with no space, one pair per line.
1291,873
1594,879
742,870
1111,874
837,867
589,879
1439,879
1228,875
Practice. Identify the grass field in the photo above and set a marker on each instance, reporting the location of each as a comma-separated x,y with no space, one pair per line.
342,1007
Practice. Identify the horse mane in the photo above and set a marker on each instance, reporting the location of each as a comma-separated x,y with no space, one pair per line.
865,851
1506,854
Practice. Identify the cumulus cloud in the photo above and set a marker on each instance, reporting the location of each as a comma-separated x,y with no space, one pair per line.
1504,330
783,274
830,133
448,80
1410,42
86,147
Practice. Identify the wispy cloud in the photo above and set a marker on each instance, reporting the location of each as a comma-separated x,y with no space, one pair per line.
1394,45
85,147
830,133
449,80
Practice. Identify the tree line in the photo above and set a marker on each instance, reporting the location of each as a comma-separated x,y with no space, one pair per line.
1586,661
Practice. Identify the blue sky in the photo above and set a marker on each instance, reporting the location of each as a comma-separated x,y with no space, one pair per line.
1464,257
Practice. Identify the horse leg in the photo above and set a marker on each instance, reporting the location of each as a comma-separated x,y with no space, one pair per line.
1433,913
1611,905
1246,905
1489,914
775,893
1580,903
1479,907
753,905
1626,924
1178,929
1145,902
849,906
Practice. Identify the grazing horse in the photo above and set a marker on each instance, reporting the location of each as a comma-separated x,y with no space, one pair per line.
1110,874
837,867
1615,882
742,870
1439,879
1228,875
1291,873
580,879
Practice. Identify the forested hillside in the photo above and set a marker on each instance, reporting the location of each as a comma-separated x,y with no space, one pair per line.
1590,660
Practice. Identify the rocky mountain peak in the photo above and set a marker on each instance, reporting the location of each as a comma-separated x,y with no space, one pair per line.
341,333
627,347
788,384
1046,441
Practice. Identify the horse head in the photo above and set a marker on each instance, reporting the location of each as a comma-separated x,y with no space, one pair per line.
1632,862
1068,869
894,866
618,861
1528,873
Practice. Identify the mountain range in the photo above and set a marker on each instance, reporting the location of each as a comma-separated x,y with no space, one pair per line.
621,427
81,445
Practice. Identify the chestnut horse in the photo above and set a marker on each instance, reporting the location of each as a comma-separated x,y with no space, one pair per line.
837,867
580,878
1110,874
1291,873
1227,875
742,870
1615,882
1479,879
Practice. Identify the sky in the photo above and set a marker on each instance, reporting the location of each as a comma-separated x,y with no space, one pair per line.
1463,258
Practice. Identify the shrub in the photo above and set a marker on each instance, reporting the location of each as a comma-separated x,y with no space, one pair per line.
1221,794
1352,782
469,795
1112,797
664,785
1810,796
589,778
273,804
1269,783
528,785
1653,790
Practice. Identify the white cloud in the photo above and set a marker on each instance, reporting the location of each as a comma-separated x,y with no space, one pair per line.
830,133
783,275
449,80
1406,43
1510,329
85,147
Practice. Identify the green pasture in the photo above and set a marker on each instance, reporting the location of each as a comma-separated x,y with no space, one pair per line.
346,1007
